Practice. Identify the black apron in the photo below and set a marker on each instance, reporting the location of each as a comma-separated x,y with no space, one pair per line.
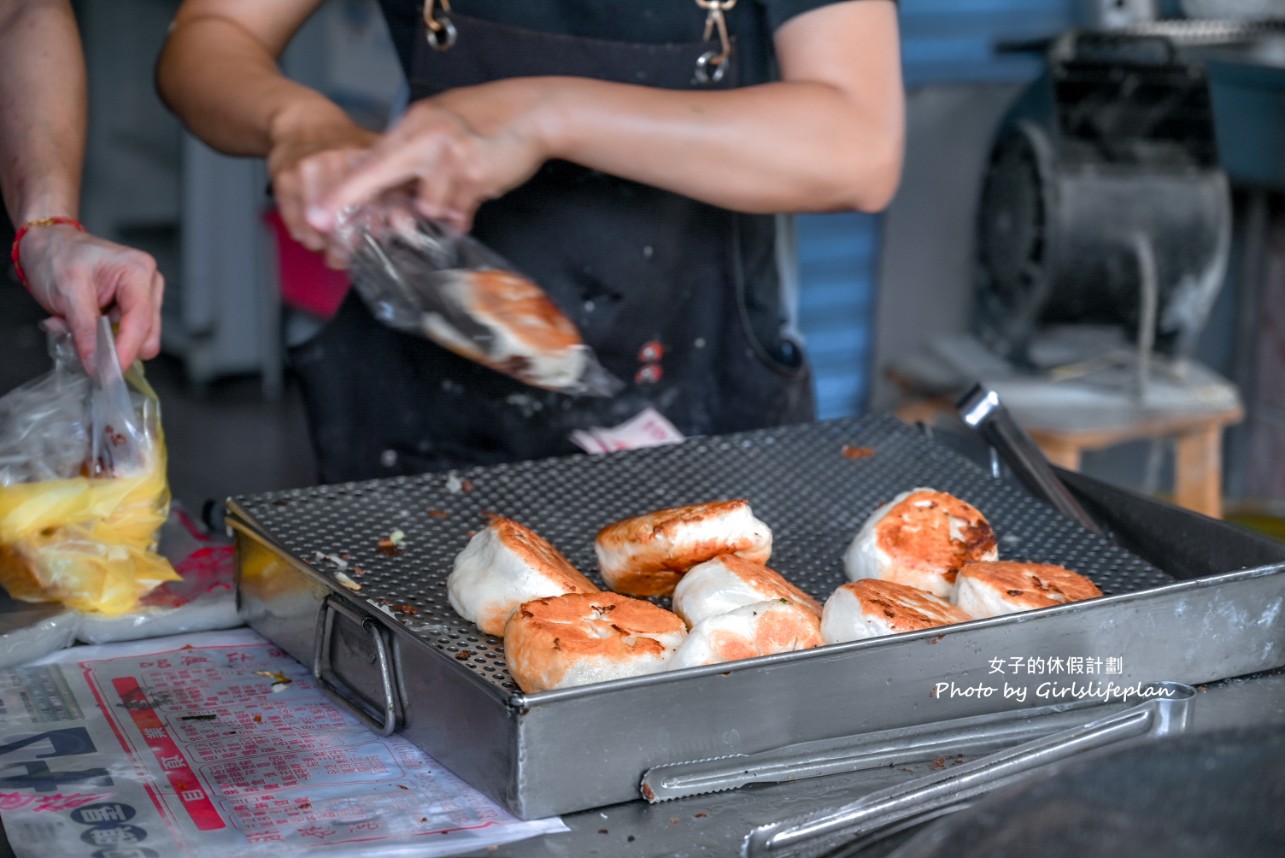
677,298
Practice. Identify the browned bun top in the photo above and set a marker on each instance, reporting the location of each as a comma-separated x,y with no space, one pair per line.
902,607
769,582
522,308
647,554
664,525
1031,585
541,555
587,637
577,624
918,526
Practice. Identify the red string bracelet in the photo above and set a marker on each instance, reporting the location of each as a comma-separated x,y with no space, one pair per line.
27,227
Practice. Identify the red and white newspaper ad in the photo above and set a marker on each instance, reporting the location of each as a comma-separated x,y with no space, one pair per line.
217,744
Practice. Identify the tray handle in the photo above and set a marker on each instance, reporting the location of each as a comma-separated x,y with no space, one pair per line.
382,719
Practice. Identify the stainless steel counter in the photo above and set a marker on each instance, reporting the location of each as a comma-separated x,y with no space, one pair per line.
714,825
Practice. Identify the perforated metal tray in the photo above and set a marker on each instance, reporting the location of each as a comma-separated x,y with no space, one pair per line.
396,651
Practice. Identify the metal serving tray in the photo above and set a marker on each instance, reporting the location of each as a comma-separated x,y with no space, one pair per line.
397,654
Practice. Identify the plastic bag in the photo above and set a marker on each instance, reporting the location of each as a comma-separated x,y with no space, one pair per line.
419,278
28,632
204,599
83,489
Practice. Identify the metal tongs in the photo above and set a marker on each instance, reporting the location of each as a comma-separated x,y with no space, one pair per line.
1167,711
974,734
981,409
115,440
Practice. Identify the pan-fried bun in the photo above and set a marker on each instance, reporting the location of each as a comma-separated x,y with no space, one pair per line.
581,638
760,628
504,565
527,336
647,554
729,582
869,608
1008,586
920,538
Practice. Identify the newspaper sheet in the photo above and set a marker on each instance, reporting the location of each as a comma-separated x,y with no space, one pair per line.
217,744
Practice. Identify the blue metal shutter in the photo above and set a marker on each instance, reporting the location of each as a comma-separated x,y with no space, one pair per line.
943,42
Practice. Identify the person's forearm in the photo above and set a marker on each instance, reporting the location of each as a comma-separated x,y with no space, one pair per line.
224,84
828,136
42,110
788,146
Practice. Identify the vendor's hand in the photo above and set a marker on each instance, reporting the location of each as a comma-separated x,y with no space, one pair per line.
304,167
77,277
456,150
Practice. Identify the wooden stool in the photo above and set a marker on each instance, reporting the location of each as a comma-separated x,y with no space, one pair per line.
1198,450
1066,418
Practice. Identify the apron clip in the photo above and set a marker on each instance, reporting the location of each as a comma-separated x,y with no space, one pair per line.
711,66
441,30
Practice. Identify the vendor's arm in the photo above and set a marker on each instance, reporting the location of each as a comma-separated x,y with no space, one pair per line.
218,71
827,136
74,275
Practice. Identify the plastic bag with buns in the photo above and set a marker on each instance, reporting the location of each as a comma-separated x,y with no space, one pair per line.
420,278
83,488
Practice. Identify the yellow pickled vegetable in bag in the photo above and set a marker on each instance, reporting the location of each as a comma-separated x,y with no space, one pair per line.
86,541
89,543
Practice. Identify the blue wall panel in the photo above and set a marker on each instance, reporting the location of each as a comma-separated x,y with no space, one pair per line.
943,42
836,261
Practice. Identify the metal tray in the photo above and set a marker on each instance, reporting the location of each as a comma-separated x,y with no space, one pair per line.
397,654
